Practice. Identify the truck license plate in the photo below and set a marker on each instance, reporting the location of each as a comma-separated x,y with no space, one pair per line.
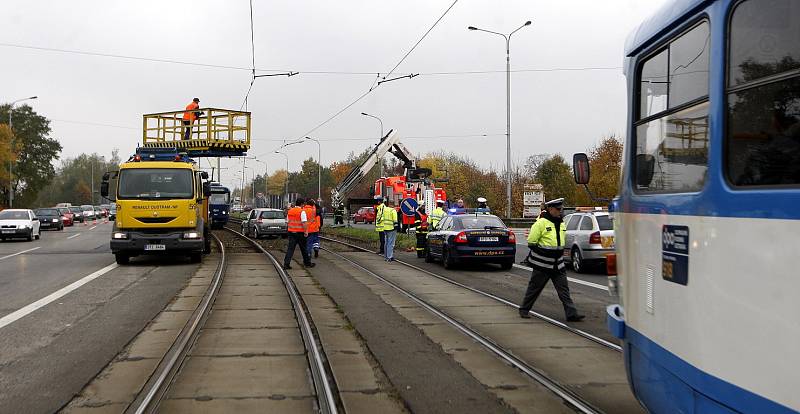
155,247
488,239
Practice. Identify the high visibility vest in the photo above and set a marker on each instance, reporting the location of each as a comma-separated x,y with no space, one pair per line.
293,221
547,244
189,115
389,218
379,217
436,216
313,222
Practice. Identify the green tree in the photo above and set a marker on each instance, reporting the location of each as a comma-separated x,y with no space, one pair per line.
74,173
33,160
555,175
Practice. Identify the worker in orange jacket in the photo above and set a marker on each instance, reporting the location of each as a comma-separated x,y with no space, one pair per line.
313,211
190,116
297,226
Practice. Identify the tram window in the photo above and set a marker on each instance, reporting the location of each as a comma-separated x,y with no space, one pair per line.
653,85
763,132
688,66
678,143
764,39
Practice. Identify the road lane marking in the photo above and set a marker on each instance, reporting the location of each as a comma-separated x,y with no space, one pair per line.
73,236
93,227
572,279
24,251
27,310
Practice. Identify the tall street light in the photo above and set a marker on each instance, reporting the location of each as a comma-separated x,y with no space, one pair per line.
508,109
286,186
319,168
11,147
381,137
266,174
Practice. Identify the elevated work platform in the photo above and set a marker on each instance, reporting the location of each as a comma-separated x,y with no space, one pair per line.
213,132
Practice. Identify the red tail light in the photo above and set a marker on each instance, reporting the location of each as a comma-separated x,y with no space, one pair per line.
611,264
594,238
461,238
512,238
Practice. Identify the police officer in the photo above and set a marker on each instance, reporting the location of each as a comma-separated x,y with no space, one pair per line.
379,223
436,215
546,241
483,206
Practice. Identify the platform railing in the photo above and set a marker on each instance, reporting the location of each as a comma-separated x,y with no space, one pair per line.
214,125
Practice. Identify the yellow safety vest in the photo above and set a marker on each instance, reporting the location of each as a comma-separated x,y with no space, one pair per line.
436,216
389,218
379,218
547,244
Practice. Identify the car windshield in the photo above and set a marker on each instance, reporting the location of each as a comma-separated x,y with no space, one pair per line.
604,222
13,215
155,183
218,198
272,214
87,208
479,222
63,210
47,212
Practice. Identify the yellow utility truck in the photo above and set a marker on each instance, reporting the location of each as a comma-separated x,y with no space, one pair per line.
162,205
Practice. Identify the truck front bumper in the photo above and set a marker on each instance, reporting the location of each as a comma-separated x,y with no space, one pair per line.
155,243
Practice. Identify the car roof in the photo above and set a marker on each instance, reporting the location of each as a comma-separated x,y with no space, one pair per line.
267,209
17,209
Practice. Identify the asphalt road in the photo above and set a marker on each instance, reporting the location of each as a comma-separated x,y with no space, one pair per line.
66,309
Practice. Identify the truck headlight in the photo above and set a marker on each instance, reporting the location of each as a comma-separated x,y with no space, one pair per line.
191,235
119,235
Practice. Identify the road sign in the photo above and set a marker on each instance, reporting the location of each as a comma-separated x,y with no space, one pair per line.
408,206
532,199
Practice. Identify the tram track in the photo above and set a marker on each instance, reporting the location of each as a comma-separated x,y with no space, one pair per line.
158,387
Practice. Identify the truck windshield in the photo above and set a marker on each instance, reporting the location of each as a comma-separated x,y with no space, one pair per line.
155,183
218,199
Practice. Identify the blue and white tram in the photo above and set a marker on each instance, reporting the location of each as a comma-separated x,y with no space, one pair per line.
708,215
219,205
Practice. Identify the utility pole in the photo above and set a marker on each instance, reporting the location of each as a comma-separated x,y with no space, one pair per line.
319,168
508,109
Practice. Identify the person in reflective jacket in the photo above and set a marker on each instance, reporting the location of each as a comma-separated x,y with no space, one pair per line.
546,241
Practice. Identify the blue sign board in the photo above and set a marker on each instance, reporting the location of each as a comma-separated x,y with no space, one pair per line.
408,206
675,254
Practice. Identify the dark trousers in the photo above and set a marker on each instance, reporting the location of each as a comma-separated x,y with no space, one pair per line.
538,281
299,240
187,130
382,236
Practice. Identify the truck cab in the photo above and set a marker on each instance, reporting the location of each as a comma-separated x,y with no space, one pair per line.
162,206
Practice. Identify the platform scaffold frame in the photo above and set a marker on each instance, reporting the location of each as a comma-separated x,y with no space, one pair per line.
214,133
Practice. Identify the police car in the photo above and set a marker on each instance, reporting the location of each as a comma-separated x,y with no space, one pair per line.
472,238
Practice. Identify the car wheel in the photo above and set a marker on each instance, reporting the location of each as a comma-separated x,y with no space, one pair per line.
428,256
255,233
122,258
447,259
30,235
577,260
507,265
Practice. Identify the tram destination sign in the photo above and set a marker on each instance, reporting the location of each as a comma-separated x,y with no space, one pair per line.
675,254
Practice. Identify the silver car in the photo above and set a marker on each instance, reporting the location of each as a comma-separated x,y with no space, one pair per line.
265,222
590,237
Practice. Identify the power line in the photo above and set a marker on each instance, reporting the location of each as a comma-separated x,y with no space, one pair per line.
405,137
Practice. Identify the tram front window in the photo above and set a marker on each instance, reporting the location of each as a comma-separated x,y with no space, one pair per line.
218,199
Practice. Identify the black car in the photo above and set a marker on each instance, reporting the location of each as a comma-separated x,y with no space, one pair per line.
472,238
77,215
49,218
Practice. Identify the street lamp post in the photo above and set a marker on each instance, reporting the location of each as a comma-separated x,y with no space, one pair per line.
319,168
286,185
381,137
508,109
266,173
11,148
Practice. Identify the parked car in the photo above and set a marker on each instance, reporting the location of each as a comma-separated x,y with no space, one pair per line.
364,215
265,222
49,218
472,238
88,212
67,217
590,237
18,223
77,214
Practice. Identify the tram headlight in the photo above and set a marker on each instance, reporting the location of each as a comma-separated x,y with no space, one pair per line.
191,235
118,235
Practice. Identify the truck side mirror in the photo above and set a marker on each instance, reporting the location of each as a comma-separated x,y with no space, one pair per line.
204,175
206,187
580,168
645,168
104,185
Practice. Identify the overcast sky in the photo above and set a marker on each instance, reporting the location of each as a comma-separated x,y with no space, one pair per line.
552,111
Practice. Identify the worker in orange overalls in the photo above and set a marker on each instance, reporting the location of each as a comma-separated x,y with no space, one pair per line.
190,116
297,225
314,223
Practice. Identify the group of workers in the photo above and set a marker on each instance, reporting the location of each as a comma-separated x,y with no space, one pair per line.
304,221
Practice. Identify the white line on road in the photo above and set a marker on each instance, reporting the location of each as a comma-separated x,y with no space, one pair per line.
24,251
73,236
93,227
572,279
27,310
